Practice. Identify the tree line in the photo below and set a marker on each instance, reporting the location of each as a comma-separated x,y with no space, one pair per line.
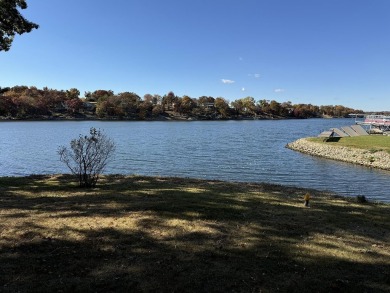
23,102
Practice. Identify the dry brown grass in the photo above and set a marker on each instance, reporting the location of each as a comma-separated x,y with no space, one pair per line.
180,235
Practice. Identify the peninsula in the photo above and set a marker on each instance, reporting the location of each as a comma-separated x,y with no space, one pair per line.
371,151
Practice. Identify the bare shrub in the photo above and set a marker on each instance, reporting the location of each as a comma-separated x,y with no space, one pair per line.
88,156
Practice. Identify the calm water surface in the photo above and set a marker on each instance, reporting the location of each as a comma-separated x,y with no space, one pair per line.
227,150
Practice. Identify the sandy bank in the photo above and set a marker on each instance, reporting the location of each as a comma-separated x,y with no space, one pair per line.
378,159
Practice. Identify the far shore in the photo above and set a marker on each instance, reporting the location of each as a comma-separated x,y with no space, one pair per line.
167,117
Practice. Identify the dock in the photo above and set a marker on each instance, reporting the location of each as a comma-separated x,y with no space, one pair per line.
345,131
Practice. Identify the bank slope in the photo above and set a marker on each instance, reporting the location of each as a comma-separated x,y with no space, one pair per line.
156,234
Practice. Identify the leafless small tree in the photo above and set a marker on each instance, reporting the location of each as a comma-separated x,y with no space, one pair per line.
88,156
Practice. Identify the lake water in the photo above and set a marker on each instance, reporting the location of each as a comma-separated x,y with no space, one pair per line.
251,151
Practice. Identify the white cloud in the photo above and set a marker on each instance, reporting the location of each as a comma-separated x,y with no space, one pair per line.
255,75
278,90
243,89
227,81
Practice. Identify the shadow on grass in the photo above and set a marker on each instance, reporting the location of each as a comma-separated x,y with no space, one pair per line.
182,235
333,139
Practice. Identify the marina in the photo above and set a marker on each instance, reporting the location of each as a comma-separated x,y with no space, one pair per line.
364,125
375,123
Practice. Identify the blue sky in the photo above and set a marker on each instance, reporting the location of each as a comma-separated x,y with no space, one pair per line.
323,52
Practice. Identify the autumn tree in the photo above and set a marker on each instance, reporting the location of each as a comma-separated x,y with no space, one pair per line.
53,98
129,103
12,22
157,100
88,156
148,98
24,104
98,94
131,98
74,105
146,106
186,105
222,107
106,107
286,109
169,100
305,111
157,110
27,102
7,106
4,89
72,93
205,101
145,109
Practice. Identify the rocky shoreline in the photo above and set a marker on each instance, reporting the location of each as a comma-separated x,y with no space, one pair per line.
374,159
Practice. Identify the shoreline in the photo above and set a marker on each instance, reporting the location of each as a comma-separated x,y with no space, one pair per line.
378,159
162,117
263,185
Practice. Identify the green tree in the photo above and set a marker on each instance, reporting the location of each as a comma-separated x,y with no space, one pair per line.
275,107
238,107
12,22
88,156
264,105
248,104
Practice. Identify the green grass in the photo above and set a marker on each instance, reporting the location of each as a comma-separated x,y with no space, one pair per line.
371,143
150,234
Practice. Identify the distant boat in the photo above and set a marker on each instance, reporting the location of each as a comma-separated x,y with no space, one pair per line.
381,122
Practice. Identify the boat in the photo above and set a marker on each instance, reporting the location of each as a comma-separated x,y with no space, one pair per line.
375,122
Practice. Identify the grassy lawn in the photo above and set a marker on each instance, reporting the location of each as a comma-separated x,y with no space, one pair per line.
151,234
369,142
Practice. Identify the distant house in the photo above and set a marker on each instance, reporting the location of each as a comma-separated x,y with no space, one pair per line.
60,107
209,105
90,106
